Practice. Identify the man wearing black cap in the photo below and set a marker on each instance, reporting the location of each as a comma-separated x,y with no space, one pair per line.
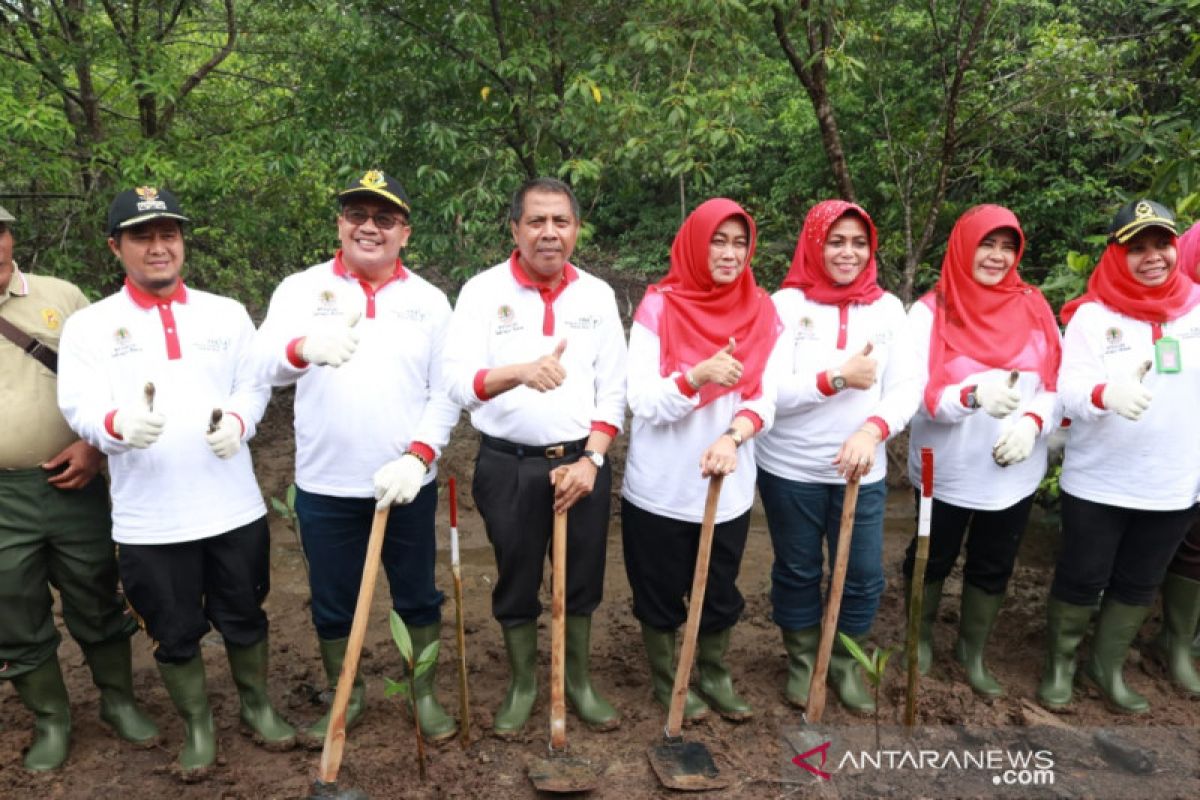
158,376
54,527
361,337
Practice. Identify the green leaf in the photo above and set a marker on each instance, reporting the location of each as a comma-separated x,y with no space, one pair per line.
393,688
279,507
400,636
428,658
855,650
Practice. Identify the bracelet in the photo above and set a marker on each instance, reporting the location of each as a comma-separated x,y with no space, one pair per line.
418,457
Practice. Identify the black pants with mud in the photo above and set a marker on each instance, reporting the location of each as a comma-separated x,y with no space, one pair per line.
515,499
177,590
60,538
660,560
993,539
1187,558
1123,552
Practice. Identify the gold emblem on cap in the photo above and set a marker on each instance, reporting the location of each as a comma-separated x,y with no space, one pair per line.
373,180
1143,210
147,192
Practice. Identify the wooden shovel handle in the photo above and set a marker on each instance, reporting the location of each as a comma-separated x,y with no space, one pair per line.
335,734
691,632
558,638
833,606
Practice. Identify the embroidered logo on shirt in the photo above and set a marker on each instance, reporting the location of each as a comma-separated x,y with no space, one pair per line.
51,318
123,343
214,344
584,323
410,314
504,314
806,330
1114,339
326,304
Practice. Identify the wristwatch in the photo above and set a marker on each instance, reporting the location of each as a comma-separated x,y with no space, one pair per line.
837,380
973,397
736,435
597,459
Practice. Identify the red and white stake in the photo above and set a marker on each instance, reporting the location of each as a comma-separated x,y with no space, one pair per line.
917,586
460,631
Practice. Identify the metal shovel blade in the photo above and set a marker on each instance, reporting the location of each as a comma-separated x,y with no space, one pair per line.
331,791
561,773
686,766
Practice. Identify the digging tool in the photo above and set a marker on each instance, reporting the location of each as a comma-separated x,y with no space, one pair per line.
148,393
815,707
917,586
560,772
464,703
325,786
689,766
215,421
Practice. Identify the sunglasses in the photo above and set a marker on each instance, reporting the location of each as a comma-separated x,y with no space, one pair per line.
384,220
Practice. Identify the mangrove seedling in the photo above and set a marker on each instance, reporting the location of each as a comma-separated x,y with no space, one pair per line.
873,665
424,662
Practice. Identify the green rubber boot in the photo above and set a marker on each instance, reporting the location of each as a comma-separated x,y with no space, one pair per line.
43,692
112,671
521,642
929,608
660,652
801,649
715,683
1116,628
1181,614
248,665
436,724
333,653
596,712
979,610
186,685
1066,625
844,671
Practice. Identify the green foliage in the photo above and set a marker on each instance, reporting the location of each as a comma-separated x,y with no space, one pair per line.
873,665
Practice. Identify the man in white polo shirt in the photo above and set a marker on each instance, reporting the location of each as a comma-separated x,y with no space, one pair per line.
142,375
537,354
361,337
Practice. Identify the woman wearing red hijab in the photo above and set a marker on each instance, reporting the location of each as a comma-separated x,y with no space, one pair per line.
978,325
1131,473
699,393
847,382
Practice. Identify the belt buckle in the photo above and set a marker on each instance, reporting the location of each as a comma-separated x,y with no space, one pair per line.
557,451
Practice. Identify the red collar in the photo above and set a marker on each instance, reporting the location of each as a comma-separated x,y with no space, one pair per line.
147,300
340,269
522,278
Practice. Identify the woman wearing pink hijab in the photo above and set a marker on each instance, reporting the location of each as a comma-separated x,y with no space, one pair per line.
847,381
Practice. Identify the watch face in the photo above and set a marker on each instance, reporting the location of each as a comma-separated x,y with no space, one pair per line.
596,459
839,383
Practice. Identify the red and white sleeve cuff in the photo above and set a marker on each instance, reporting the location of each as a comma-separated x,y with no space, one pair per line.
293,353
754,419
884,430
478,385
599,426
423,451
241,421
685,388
823,384
108,425
1098,395
1037,420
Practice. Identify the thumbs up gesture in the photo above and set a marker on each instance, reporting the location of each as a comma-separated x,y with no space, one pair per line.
999,398
547,373
138,424
860,370
1128,397
331,343
721,368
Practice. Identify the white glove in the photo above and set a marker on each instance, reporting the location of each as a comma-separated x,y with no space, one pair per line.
1128,397
998,398
399,481
138,427
227,438
332,343
1016,444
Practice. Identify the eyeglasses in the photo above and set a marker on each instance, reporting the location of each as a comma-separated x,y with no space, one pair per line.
384,220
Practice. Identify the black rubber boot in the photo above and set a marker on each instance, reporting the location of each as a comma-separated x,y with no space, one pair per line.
596,712
43,692
112,672
436,724
189,692
248,665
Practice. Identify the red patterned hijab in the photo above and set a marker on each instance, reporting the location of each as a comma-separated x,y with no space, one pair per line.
695,317
1006,326
808,263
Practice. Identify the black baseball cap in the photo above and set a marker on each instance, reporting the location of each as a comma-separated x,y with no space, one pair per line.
135,206
1135,217
374,183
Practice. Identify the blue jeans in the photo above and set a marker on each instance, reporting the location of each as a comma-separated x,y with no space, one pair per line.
803,516
335,531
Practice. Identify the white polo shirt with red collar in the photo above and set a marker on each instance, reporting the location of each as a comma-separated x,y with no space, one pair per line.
353,419
502,318
195,348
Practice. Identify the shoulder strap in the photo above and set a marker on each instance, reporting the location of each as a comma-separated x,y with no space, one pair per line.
36,349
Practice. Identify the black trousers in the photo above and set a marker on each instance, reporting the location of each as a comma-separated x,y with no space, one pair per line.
176,590
515,499
1187,558
1122,552
993,539
660,560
